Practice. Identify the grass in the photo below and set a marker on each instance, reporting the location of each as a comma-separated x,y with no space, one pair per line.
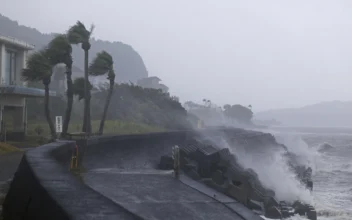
38,133
7,148
111,127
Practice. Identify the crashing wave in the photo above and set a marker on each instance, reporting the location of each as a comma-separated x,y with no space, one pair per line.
325,147
251,167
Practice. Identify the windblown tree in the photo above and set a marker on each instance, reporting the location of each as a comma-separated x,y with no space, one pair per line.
60,51
39,68
239,113
79,34
104,64
78,88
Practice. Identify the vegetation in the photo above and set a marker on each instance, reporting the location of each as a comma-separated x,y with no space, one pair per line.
145,109
7,148
111,127
239,113
211,113
78,34
39,69
130,106
60,51
148,106
102,64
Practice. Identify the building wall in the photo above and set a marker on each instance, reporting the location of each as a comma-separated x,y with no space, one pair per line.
19,62
12,100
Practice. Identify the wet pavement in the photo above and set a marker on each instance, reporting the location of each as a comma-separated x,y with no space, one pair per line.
156,195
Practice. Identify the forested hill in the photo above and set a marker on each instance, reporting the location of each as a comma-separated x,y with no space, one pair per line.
129,65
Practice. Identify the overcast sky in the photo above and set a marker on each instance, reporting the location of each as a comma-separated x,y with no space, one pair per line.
271,54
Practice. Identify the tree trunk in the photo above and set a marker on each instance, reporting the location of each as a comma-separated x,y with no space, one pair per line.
47,111
86,116
69,94
107,103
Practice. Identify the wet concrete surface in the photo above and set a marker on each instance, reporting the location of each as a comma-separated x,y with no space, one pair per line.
126,172
156,195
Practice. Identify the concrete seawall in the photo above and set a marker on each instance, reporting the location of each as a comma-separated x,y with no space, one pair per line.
116,184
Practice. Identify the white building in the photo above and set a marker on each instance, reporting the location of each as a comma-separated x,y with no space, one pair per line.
13,90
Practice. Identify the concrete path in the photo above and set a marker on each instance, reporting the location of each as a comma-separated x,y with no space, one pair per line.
156,195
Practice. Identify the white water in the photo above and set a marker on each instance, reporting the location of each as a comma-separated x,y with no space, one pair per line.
332,171
274,172
330,155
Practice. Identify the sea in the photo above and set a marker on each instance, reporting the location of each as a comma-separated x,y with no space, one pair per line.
329,152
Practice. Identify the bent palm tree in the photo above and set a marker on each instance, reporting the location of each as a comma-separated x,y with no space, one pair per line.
40,69
60,51
78,88
102,64
78,34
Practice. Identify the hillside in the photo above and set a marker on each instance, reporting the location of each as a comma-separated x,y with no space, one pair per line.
129,65
327,114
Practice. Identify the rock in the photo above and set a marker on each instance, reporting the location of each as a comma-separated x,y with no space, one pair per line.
193,174
312,214
273,212
218,177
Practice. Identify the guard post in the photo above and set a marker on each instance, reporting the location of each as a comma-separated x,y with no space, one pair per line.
176,157
78,152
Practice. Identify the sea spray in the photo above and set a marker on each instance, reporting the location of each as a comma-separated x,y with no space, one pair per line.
304,155
271,165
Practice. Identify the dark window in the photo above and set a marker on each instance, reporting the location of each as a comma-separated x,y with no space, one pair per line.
10,68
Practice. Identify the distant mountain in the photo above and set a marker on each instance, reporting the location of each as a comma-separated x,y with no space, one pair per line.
129,65
327,114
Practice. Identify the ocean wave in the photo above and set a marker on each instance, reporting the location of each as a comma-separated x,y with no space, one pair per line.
325,147
334,213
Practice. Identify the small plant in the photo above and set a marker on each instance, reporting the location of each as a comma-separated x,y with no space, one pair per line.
78,126
39,130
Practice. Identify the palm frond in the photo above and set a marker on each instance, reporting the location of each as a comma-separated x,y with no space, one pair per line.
78,33
92,27
59,50
101,64
38,67
78,87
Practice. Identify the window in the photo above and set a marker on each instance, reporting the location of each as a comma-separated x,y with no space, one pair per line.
10,68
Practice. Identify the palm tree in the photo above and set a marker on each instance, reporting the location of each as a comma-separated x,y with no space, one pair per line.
102,64
78,88
60,51
39,68
79,34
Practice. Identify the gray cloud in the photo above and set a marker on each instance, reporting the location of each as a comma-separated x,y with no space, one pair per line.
271,54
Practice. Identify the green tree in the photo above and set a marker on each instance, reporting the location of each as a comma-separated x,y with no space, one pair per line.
102,64
39,68
79,34
60,51
239,113
78,88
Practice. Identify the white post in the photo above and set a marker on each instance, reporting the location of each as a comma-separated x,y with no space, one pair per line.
176,157
58,124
